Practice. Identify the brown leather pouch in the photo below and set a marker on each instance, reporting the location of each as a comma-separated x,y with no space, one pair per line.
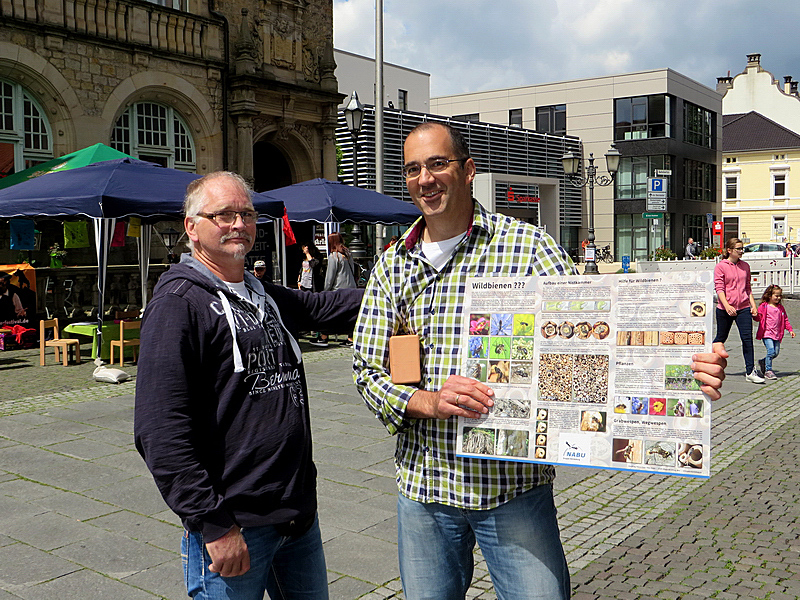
404,359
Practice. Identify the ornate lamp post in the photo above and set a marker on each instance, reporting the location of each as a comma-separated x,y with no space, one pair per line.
170,239
572,169
354,116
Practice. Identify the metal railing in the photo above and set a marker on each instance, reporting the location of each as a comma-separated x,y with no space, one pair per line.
784,272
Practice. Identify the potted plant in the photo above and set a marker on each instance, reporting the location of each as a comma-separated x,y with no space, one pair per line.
56,256
663,253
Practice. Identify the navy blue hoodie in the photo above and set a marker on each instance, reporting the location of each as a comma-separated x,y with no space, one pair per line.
221,414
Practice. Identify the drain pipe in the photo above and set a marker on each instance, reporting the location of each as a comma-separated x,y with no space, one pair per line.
226,37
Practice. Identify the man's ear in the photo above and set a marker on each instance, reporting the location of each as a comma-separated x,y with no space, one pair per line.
189,224
471,169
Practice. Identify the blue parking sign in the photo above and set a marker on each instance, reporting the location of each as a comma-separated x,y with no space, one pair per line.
656,184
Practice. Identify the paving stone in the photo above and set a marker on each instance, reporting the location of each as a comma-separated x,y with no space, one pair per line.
141,528
49,531
164,581
75,505
345,588
346,554
21,564
141,491
114,554
84,584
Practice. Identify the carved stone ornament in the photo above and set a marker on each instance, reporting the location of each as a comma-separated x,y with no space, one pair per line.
310,65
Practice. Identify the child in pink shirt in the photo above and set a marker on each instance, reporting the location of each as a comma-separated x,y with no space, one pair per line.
772,322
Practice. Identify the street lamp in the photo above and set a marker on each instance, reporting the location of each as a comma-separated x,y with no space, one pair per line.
572,169
170,239
354,117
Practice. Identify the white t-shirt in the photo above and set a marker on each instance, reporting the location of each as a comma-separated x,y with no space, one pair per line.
240,289
440,252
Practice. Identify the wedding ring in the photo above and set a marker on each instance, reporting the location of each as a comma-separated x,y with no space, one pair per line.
457,397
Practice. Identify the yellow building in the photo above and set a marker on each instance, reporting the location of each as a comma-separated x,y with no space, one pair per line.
761,200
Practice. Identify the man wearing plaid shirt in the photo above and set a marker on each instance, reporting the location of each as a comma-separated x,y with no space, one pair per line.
447,502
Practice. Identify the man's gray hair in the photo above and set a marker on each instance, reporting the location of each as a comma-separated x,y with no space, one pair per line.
195,199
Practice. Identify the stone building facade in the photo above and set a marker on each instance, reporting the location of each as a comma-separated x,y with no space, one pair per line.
198,85
248,85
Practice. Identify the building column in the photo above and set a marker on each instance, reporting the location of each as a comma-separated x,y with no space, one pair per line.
327,128
244,146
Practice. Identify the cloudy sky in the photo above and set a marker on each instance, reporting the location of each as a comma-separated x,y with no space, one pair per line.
473,45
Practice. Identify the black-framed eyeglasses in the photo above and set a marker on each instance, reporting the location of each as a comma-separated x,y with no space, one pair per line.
738,249
434,165
228,217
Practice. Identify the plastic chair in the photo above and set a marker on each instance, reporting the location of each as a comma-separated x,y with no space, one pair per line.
123,343
58,343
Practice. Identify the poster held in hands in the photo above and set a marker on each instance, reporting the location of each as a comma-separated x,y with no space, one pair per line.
591,371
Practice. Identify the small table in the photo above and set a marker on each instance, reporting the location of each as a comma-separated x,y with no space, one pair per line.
110,332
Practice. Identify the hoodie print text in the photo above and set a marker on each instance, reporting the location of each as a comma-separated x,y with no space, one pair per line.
266,367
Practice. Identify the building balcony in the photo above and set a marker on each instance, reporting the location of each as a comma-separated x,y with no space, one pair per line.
128,23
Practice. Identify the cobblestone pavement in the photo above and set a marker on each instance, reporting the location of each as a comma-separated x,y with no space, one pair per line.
80,516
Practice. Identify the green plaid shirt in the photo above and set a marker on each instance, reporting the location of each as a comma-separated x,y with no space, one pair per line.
406,294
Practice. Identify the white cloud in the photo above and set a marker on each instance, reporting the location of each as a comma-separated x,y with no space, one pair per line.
485,44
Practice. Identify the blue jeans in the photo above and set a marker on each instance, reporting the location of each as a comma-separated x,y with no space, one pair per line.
519,540
773,349
287,568
744,323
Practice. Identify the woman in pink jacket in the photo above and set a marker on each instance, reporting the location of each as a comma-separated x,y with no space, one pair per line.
772,322
736,303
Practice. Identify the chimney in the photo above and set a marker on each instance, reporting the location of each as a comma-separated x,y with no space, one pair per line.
787,84
724,84
793,88
753,60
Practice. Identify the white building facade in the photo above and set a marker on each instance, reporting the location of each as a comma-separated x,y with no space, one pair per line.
761,154
403,88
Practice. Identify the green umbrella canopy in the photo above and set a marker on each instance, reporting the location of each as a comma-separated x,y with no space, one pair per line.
79,158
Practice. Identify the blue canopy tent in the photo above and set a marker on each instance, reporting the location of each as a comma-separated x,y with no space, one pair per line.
107,191
332,202
327,201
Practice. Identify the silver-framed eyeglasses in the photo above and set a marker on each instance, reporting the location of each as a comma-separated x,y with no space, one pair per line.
228,217
434,165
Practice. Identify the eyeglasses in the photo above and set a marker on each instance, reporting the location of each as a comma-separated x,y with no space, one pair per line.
738,249
228,217
434,165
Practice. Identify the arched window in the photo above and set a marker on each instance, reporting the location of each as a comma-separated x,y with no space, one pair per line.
155,133
25,136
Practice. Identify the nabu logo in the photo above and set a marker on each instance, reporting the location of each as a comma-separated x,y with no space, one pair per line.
573,452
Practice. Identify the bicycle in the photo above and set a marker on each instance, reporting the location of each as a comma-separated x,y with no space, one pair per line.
605,254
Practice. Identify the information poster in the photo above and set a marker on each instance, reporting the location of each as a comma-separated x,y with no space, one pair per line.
591,371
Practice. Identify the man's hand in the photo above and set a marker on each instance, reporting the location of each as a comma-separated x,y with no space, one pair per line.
709,369
459,396
229,554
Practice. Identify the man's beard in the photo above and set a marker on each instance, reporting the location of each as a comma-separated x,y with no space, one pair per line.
241,249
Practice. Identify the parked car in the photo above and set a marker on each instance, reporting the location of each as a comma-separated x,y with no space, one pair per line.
763,250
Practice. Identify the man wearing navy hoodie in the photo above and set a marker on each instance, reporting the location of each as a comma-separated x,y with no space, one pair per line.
222,416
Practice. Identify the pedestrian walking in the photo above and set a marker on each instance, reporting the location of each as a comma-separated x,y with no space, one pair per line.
691,250
772,323
221,412
445,502
736,303
340,275
310,278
